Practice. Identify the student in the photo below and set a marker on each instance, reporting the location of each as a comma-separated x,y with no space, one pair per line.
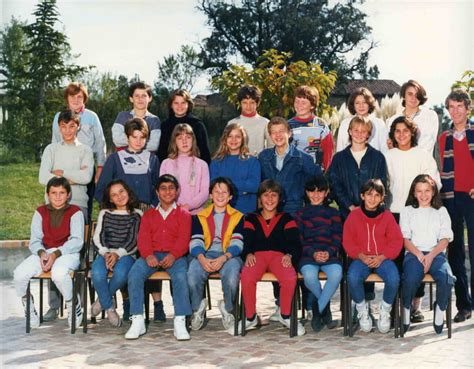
310,133
232,160
354,166
163,241
216,245
140,96
320,234
248,99
180,107
57,237
372,239
192,173
362,103
271,243
426,229
115,240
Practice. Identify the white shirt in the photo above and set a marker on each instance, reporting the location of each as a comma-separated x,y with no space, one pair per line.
378,138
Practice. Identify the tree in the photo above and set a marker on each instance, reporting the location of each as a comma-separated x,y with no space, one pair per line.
336,37
467,83
278,78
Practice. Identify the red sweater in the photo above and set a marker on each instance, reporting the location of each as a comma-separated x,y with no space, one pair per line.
372,236
159,235
56,236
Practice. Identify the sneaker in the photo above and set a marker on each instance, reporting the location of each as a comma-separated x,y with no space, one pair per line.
113,318
51,315
159,313
180,331
249,324
417,316
383,323
326,317
126,310
300,331
78,312
227,318
316,322
197,319
365,321
276,315
96,309
34,318
137,328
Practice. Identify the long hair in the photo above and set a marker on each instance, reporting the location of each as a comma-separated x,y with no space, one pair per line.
107,203
223,149
180,129
435,203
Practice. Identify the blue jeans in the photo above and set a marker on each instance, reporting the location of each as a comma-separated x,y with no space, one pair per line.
311,281
413,274
230,278
106,289
140,273
358,273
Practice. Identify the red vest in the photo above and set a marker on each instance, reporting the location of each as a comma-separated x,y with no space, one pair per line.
56,237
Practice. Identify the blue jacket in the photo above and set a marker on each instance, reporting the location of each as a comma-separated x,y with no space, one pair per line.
297,168
346,178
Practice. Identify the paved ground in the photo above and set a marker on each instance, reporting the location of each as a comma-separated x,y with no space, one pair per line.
52,346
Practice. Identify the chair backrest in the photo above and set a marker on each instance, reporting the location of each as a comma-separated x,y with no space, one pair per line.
90,244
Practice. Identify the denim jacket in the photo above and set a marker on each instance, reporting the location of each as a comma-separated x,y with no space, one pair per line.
297,168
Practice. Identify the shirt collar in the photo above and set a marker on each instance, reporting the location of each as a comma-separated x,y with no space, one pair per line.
164,213
75,143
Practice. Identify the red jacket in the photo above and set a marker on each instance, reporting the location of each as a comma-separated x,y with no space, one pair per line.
372,236
159,235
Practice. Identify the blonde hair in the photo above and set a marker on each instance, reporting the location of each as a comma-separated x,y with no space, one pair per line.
363,121
181,129
223,149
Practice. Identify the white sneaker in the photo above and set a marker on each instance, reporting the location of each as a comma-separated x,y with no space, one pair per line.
300,331
180,331
365,321
96,309
137,328
227,318
34,318
78,312
249,324
197,319
51,315
276,315
383,323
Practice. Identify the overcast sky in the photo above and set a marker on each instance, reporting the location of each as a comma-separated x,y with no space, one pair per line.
424,40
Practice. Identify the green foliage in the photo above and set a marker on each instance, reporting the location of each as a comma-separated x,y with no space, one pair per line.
278,78
467,83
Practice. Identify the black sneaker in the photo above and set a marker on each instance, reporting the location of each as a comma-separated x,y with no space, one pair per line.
462,316
316,321
417,317
159,314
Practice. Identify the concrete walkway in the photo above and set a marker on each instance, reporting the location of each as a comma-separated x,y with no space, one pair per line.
52,346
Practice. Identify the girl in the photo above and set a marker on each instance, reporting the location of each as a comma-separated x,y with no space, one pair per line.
426,229
192,173
372,238
362,103
180,107
115,239
271,243
320,234
233,160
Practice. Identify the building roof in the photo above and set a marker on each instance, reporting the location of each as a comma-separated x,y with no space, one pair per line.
378,87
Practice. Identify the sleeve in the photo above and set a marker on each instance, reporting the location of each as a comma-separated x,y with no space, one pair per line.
342,136
47,163
393,238
308,248
83,175
405,223
381,135
166,167
98,235
327,144
249,233
55,130
214,169
99,147
145,236
445,221
75,242
237,239
196,245
155,134
335,178
336,234
252,181
164,142
349,241
118,131
292,240
107,175
310,168
155,174
130,245
432,169
427,140
182,242
202,185
36,236
442,144
381,171
203,142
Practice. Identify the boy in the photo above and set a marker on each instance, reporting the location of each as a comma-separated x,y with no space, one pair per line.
163,240
248,98
216,245
140,96
310,133
57,237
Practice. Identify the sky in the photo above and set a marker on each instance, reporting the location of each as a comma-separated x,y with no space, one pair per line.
428,41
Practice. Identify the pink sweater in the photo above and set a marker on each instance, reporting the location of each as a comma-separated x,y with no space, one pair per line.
193,177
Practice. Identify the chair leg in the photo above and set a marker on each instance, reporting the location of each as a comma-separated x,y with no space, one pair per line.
294,314
84,303
431,296
28,308
343,307
349,310
74,304
208,293
41,302
147,306
402,316
242,314
448,316
236,312
396,322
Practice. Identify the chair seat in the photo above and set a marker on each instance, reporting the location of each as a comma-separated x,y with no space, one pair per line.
160,276
47,275
428,278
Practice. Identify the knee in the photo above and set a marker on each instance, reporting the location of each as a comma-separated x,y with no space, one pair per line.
59,273
336,274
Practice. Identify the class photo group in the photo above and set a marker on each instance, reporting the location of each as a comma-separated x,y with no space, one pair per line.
280,196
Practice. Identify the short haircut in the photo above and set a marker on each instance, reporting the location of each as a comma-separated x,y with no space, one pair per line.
141,86
67,115
223,149
222,180
459,95
270,185
375,184
166,178
317,183
182,129
435,200
276,121
58,182
409,124
420,91
249,92
366,94
363,121
136,124
310,93
74,88
185,95
107,203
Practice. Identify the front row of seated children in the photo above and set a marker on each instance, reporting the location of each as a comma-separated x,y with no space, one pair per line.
219,239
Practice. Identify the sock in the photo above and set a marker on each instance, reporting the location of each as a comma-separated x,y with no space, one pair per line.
416,304
361,305
439,315
406,316
386,306
285,316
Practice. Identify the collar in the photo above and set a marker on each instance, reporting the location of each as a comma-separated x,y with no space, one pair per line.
285,153
249,115
304,120
75,143
147,114
206,212
164,213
